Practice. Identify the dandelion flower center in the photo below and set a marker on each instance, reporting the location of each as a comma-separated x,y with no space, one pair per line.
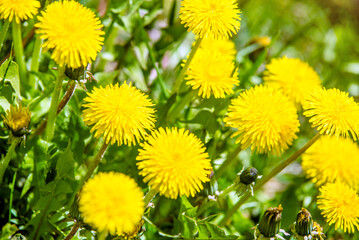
18,9
112,202
340,206
72,31
264,118
174,162
333,112
122,114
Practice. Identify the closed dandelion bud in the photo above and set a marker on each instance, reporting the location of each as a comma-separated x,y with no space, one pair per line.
75,73
245,180
304,223
17,120
269,225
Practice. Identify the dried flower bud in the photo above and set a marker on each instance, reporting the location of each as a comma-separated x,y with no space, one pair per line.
304,223
17,120
269,225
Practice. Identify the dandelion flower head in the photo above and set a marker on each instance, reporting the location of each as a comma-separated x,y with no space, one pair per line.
112,202
295,77
332,159
212,71
18,9
340,206
333,112
265,118
120,113
174,162
217,19
17,118
72,31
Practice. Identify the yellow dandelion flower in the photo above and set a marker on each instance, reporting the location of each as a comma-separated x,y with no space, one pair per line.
112,202
211,18
18,9
295,77
224,47
121,114
332,159
211,71
340,206
17,119
265,118
174,162
333,112
72,31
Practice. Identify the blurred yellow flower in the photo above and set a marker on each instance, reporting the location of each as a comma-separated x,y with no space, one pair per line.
122,114
18,9
72,31
295,77
333,112
17,119
211,69
265,118
112,202
174,162
217,19
332,159
340,206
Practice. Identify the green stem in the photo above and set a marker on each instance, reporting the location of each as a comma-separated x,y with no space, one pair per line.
149,196
51,119
73,231
228,162
3,32
35,62
176,110
227,190
12,195
19,53
266,178
185,68
5,162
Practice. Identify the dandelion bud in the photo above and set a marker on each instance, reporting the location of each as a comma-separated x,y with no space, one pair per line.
269,225
17,120
75,73
304,223
245,180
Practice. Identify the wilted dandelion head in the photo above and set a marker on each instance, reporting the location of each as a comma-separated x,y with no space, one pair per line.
265,118
18,9
333,112
17,119
120,113
112,202
340,206
174,162
332,159
72,31
295,77
211,18
211,71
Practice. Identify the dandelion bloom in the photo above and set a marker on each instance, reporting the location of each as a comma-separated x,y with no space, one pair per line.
332,159
112,202
18,9
340,205
211,70
265,118
333,112
72,31
174,162
225,47
211,18
17,119
122,114
295,77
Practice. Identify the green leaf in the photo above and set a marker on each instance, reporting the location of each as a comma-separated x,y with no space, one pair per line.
215,230
207,119
12,75
4,103
8,230
27,185
186,207
65,164
189,227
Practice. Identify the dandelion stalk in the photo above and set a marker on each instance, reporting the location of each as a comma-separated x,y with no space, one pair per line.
3,32
73,231
176,110
19,52
5,162
267,177
54,103
35,62
149,196
182,74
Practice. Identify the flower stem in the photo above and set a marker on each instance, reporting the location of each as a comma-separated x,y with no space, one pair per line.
51,119
180,77
35,62
5,162
176,110
19,53
266,178
149,196
3,32
227,163
73,231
